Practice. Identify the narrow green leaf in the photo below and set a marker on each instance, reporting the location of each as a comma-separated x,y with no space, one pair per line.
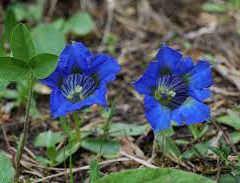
12,69
94,171
48,39
22,44
160,175
79,24
43,65
6,169
194,131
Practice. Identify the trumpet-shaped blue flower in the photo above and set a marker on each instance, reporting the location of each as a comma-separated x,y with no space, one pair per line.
80,79
174,90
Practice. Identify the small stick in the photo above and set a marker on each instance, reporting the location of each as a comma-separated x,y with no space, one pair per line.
225,136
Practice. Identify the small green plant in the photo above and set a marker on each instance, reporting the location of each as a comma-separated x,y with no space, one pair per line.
25,65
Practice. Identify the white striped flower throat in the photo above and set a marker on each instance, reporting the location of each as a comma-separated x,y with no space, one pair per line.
77,87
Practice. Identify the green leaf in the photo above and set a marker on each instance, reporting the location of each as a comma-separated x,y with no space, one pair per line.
22,44
124,129
79,24
48,139
48,39
196,131
6,169
10,22
106,147
3,38
160,175
231,119
167,145
43,161
12,69
228,178
235,137
197,150
43,65
94,171
67,151
3,85
214,8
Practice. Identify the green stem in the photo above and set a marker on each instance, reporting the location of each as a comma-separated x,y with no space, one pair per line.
77,122
65,126
25,128
71,167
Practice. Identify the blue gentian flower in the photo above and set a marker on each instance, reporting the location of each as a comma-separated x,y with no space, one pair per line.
174,90
80,79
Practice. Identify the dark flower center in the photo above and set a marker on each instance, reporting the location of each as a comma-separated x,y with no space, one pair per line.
171,91
76,87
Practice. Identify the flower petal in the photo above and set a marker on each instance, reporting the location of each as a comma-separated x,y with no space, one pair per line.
97,98
74,56
168,58
200,76
192,111
104,67
201,94
157,115
53,80
59,105
146,83
183,66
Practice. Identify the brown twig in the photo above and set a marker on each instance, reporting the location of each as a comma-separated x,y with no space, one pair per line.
225,136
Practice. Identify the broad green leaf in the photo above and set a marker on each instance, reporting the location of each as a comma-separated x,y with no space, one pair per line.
12,69
48,39
160,175
30,12
7,93
43,65
65,152
168,146
124,129
167,132
48,139
235,137
6,169
197,150
214,8
58,24
3,85
10,22
231,119
43,161
79,24
3,38
22,44
105,147
94,171
228,178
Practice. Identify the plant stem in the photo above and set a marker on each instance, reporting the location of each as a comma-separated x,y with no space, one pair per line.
65,126
25,128
71,167
77,122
